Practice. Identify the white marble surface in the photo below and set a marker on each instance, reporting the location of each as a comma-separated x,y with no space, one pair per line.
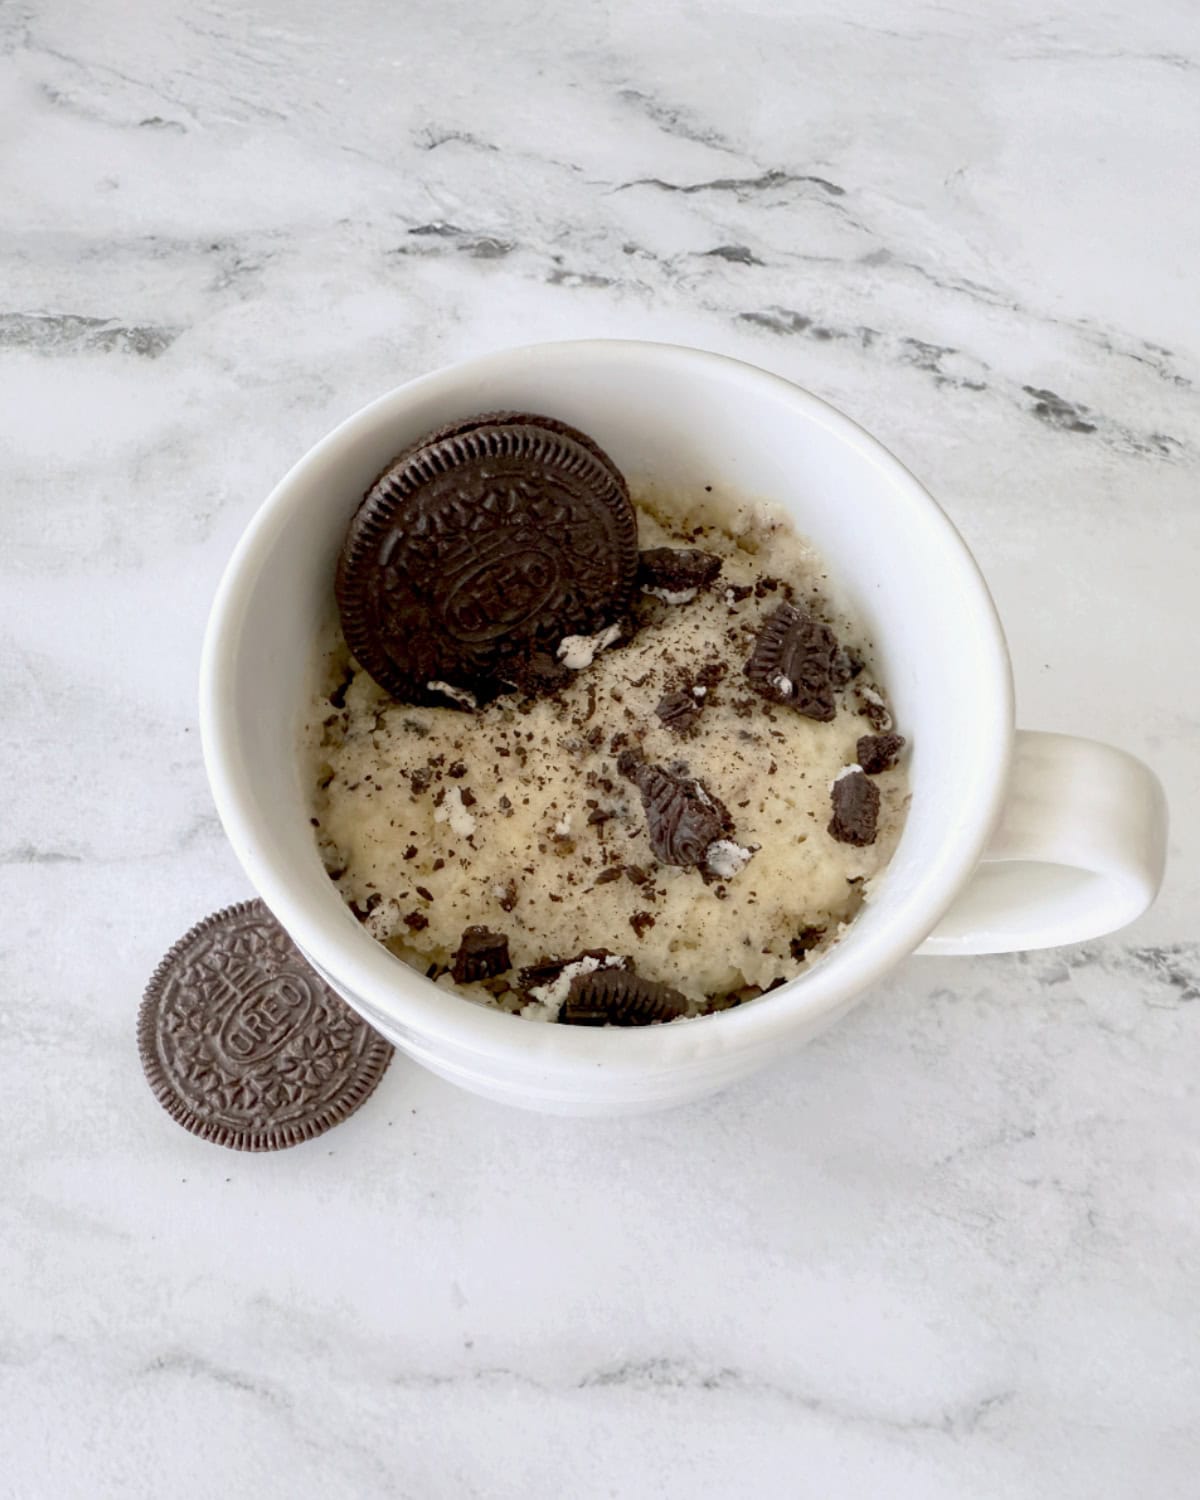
950,1251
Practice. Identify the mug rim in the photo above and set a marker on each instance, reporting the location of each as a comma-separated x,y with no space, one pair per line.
363,969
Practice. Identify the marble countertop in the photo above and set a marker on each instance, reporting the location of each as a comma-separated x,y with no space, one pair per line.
952,1249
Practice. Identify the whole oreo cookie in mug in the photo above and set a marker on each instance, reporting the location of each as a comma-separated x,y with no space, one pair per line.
480,548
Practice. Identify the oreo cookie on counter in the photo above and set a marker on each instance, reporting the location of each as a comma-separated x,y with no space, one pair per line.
477,551
243,1044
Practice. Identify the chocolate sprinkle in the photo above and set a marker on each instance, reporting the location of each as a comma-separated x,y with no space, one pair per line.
793,662
879,752
682,817
482,954
618,997
676,569
855,810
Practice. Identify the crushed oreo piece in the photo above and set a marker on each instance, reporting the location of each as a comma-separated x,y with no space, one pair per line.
416,921
870,703
879,752
482,954
679,711
793,663
364,911
675,574
855,809
538,976
847,665
683,818
618,997
805,941
539,674
628,762
606,877
641,922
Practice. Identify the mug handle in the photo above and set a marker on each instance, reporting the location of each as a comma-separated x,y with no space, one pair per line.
1079,851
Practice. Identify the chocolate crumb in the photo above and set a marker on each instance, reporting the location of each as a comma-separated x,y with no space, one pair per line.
606,877
423,893
417,921
482,954
805,940
870,704
539,675
678,711
338,696
456,770
628,762
547,970
508,899
641,922
364,911
879,752
411,852
846,666
711,673
467,797
855,810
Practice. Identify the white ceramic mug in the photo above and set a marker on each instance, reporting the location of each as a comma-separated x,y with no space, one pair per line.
1013,840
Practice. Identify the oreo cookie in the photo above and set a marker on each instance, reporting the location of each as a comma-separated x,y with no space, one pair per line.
683,818
478,550
855,809
619,997
795,661
243,1044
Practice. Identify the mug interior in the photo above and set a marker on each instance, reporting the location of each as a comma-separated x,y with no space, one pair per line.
669,416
